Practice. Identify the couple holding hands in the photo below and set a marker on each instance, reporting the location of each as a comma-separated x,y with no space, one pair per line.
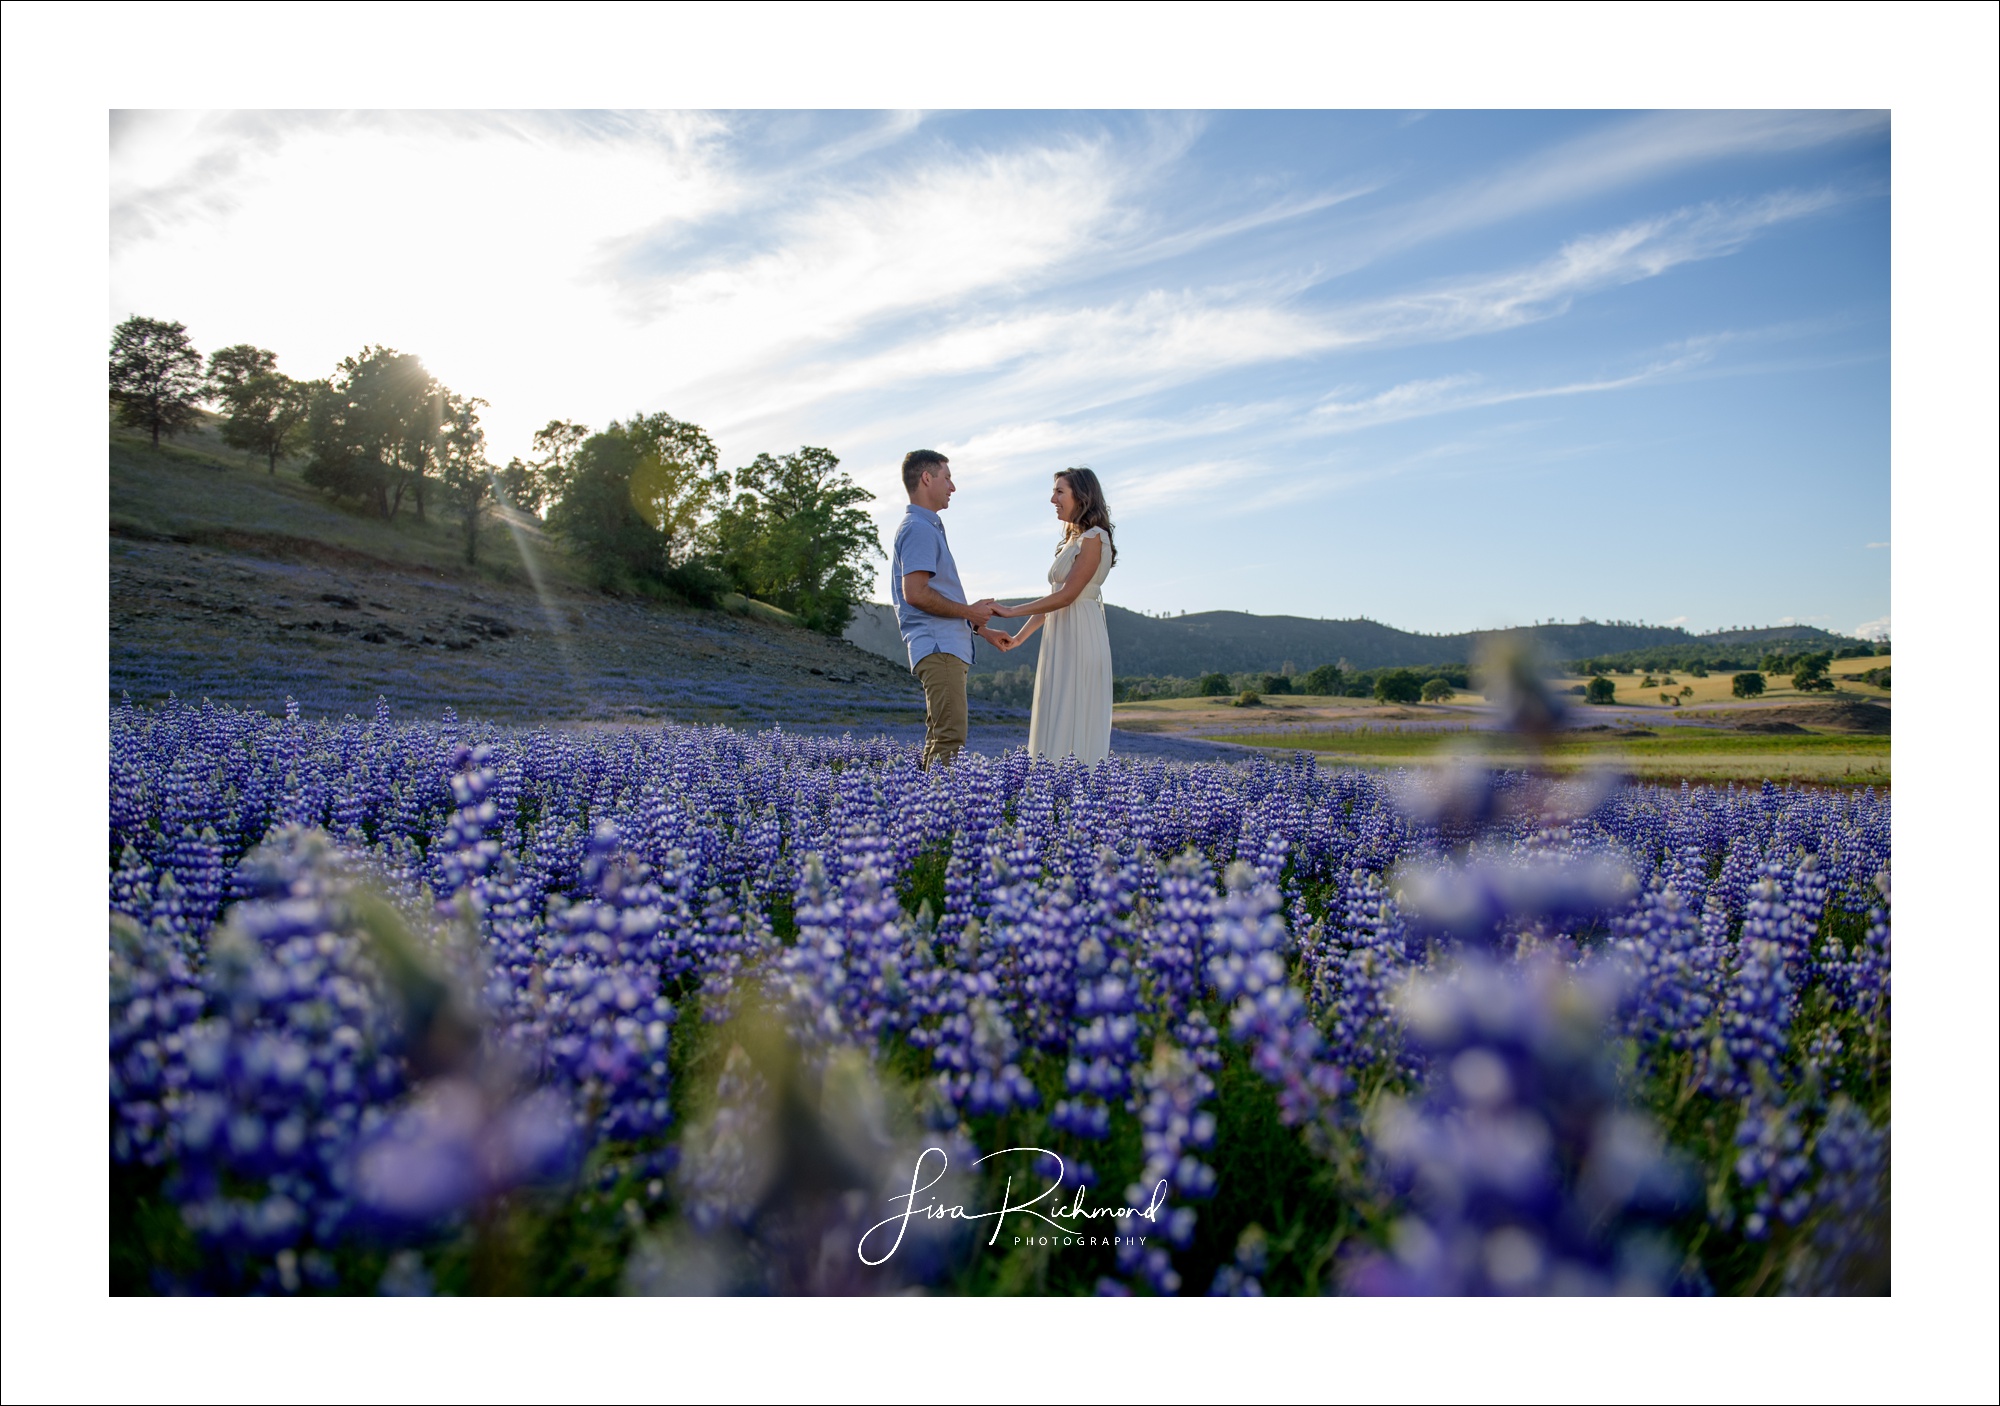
1072,710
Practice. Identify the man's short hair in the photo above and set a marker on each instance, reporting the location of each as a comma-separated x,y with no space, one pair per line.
917,463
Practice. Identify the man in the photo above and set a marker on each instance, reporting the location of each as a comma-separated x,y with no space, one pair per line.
936,622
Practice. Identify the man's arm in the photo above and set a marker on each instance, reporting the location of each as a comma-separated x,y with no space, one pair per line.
918,592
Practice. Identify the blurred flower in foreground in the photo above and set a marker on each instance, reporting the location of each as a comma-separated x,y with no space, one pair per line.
1525,1173
1846,1250
1472,901
1238,1279
460,1142
1513,674
789,1167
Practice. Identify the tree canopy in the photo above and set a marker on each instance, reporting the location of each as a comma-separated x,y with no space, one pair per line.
1323,679
797,536
265,410
375,430
464,473
633,503
1809,673
1398,686
156,377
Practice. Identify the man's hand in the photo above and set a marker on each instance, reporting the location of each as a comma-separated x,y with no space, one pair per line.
979,612
999,639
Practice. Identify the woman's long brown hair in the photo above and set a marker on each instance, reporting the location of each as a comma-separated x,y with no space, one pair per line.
1091,509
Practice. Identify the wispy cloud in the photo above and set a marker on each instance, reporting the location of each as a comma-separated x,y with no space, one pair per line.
1451,394
1876,629
1640,250
1067,361
1608,159
1873,545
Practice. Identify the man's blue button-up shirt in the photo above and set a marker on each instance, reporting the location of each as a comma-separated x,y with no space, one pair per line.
920,546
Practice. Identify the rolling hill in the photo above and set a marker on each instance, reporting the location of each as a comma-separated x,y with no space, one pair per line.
1231,641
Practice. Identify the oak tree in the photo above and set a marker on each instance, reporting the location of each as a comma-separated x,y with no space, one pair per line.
156,379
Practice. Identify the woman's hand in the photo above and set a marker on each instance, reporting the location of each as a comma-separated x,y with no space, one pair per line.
1006,612
998,639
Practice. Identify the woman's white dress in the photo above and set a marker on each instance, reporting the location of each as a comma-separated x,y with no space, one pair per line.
1072,713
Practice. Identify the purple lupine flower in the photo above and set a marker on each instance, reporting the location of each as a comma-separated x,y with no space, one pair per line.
1757,1001
132,886
1357,976
1268,1014
1675,971
1772,1167
1176,949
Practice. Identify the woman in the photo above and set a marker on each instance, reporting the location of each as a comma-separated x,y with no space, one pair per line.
1072,714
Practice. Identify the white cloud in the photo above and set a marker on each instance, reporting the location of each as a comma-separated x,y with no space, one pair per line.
930,238
1877,629
1640,250
1873,545
1447,394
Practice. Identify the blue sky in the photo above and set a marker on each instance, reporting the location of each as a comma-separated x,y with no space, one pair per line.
1447,370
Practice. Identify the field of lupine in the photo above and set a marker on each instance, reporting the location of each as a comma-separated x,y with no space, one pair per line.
456,1008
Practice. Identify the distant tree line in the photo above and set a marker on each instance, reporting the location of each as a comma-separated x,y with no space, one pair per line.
1434,683
1699,660
643,503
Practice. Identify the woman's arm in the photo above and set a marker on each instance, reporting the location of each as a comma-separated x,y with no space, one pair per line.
1080,572
1034,624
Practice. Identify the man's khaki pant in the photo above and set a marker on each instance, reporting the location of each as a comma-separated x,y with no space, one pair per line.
943,678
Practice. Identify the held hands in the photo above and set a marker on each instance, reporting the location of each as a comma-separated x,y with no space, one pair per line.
979,612
1006,612
998,639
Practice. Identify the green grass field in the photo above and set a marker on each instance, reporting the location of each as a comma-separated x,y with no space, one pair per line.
1695,754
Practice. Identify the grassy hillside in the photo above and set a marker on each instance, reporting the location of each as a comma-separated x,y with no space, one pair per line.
233,584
